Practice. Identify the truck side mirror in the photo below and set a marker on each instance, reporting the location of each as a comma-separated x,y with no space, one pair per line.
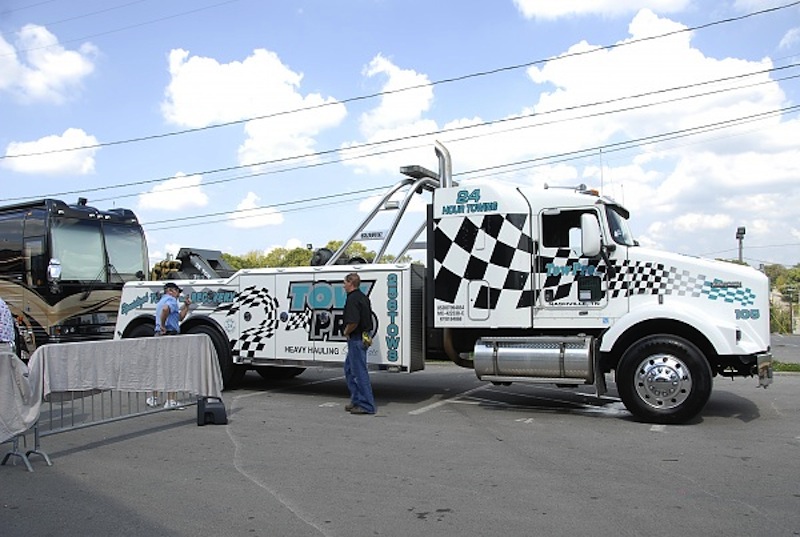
590,235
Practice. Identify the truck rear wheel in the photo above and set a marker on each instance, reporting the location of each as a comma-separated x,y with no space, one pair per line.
664,379
231,373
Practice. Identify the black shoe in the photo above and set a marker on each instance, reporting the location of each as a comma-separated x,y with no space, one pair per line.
359,410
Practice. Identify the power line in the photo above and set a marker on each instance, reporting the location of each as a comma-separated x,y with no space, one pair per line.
646,139
100,34
569,155
22,8
83,16
549,159
228,219
750,247
365,145
562,157
272,206
408,88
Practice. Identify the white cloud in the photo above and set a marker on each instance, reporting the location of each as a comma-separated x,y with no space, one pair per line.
180,192
416,205
398,114
686,193
697,222
204,92
247,214
37,68
790,38
398,106
548,9
291,244
50,155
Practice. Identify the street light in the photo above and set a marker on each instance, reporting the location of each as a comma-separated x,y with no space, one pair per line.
740,236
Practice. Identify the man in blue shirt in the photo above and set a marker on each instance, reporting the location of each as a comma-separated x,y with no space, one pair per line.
168,314
168,318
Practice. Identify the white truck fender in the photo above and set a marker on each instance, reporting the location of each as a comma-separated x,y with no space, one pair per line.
722,336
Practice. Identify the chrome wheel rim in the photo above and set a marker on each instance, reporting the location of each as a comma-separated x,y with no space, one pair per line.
663,381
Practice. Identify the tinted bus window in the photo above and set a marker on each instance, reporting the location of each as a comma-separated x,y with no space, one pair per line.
11,243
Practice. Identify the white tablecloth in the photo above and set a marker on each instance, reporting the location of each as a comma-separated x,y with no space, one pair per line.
171,363
185,363
19,403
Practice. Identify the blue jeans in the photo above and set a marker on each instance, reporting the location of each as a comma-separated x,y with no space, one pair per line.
357,376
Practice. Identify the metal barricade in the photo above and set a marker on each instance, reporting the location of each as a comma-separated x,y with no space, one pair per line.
67,411
26,456
70,386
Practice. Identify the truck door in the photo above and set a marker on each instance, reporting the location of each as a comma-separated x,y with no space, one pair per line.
567,281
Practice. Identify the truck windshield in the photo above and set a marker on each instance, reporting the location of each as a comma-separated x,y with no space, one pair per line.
126,251
78,244
618,224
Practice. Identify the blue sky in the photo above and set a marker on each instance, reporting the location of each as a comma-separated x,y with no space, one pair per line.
120,78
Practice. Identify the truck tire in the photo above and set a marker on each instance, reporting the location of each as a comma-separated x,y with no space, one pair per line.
142,330
664,379
232,374
278,373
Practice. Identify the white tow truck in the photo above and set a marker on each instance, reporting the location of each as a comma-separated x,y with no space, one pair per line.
521,284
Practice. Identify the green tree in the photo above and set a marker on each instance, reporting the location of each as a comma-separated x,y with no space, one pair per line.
356,249
734,261
283,257
779,319
252,259
786,281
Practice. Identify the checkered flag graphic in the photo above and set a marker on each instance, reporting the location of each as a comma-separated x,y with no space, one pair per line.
495,248
498,249
644,278
253,339
299,320
249,297
745,297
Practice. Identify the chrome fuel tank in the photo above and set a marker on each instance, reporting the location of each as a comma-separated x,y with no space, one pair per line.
542,356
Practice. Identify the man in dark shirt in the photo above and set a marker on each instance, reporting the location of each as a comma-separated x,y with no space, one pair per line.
358,320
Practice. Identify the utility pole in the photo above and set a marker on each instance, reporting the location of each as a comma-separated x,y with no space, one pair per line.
740,237
791,290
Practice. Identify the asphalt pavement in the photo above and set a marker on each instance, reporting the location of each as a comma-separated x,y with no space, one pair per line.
445,455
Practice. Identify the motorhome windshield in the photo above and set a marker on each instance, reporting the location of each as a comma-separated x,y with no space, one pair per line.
78,244
618,225
127,252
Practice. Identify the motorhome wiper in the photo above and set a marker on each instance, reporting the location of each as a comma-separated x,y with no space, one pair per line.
92,285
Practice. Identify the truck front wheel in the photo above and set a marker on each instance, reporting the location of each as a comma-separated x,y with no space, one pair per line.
664,379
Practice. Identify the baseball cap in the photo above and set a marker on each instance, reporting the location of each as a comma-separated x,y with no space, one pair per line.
171,285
